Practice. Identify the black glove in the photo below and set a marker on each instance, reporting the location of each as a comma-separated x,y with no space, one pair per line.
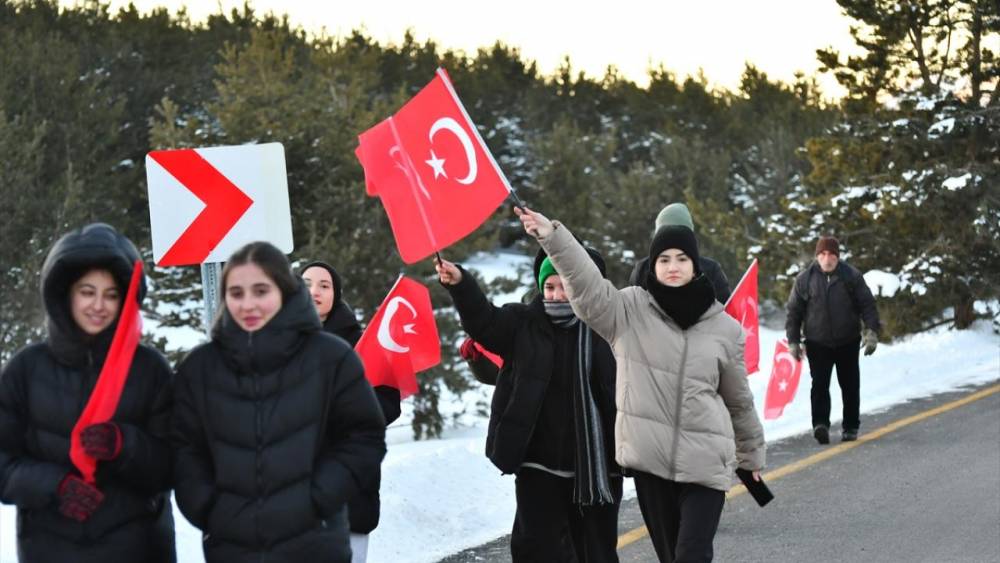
77,498
102,440
795,349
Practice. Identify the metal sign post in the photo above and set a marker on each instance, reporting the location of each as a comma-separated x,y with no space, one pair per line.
211,272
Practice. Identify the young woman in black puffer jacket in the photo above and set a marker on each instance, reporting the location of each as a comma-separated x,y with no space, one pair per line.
274,423
126,515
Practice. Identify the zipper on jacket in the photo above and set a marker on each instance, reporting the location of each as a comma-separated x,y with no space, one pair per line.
258,439
677,409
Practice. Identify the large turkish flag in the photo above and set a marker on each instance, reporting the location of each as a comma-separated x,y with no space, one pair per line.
784,381
742,306
401,339
432,171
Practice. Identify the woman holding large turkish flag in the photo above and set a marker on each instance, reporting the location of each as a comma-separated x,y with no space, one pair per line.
85,414
686,418
275,425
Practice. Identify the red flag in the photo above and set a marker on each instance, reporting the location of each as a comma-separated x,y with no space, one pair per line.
784,381
108,390
497,360
432,170
401,339
742,306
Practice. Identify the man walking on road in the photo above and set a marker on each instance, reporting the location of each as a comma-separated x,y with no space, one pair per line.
827,304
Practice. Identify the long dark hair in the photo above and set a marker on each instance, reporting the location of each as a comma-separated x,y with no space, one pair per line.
268,258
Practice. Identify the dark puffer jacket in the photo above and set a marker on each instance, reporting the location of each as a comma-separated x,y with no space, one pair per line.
828,308
711,268
44,389
363,509
274,431
525,338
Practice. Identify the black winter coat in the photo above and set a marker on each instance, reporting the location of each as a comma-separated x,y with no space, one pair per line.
363,509
524,337
44,389
830,306
275,430
711,268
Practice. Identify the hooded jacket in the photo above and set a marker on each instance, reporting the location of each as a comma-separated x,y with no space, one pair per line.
685,411
274,431
44,389
525,338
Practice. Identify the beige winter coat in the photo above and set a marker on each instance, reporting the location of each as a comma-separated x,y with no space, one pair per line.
680,393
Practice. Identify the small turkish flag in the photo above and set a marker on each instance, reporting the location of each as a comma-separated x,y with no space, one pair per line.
784,381
427,163
742,306
401,339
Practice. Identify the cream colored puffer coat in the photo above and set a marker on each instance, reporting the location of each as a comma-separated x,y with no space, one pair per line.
685,411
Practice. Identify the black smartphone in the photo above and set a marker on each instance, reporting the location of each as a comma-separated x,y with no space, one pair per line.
757,489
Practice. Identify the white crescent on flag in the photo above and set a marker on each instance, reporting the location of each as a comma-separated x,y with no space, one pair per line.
384,336
437,164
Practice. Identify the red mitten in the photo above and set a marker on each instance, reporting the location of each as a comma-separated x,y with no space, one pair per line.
78,499
468,351
102,440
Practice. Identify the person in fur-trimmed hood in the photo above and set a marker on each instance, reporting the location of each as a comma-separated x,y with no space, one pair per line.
551,416
326,288
126,515
686,417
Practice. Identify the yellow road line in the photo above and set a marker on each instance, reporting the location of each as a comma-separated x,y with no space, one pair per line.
640,532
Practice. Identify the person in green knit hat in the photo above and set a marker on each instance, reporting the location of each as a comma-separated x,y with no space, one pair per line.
677,214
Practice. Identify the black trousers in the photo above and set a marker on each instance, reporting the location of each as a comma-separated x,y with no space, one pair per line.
681,517
549,528
822,360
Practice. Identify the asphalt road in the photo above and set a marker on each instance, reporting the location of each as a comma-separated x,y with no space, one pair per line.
921,485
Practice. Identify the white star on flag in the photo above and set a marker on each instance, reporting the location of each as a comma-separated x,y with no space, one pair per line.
437,164
782,385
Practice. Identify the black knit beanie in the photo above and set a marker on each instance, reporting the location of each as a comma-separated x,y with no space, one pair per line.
674,236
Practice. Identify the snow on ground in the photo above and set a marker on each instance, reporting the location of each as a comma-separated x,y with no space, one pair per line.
441,496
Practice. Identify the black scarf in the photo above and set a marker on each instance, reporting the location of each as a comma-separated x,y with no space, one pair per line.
590,482
685,304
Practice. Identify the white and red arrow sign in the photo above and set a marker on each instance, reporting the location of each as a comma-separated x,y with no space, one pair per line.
206,203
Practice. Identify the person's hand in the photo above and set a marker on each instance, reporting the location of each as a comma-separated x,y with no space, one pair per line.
535,224
468,350
795,349
102,441
756,476
869,339
448,273
77,498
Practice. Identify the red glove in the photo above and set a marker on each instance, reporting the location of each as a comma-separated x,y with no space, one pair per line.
468,351
78,499
102,440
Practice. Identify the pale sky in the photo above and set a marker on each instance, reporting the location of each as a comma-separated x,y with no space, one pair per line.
718,36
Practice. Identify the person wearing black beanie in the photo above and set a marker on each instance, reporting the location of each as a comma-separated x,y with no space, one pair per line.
675,279
686,418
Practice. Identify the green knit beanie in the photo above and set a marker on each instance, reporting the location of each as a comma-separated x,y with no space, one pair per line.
544,271
675,214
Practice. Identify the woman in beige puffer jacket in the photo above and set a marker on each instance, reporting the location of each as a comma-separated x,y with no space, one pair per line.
686,417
